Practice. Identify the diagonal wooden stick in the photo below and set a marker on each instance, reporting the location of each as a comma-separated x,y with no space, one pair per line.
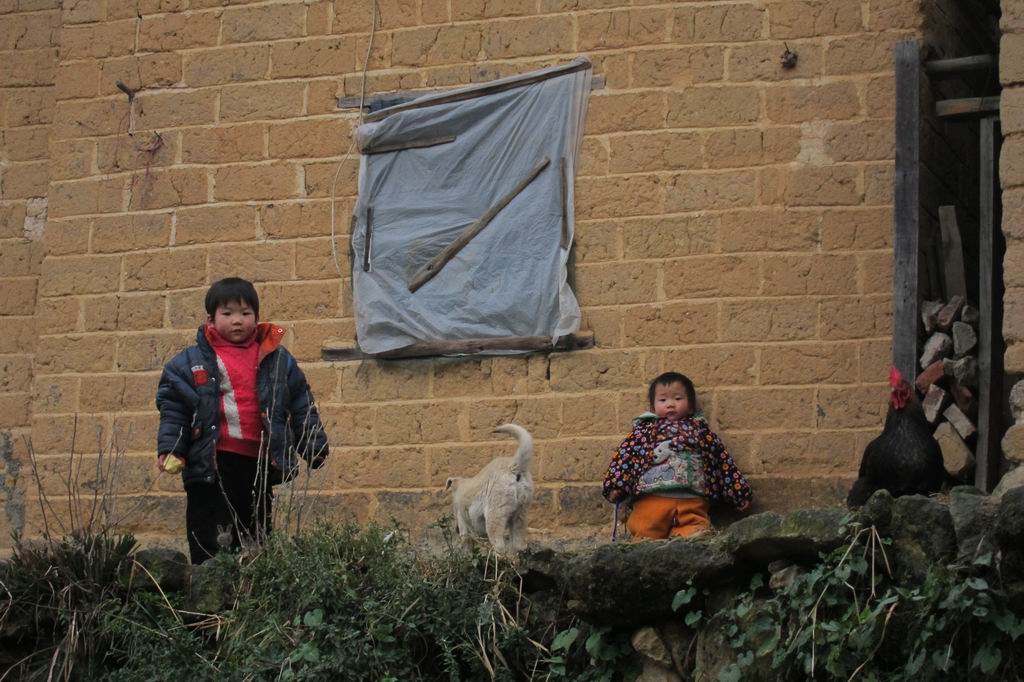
428,271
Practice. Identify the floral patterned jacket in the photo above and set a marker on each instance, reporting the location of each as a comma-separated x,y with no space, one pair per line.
723,482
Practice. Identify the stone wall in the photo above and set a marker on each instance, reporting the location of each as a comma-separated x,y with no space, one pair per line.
734,224
931,547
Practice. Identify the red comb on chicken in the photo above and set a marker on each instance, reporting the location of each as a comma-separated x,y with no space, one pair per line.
904,459
901,391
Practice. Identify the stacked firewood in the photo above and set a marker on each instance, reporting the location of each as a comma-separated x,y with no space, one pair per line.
949,379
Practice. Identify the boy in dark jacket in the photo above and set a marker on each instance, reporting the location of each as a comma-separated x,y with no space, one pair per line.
235,410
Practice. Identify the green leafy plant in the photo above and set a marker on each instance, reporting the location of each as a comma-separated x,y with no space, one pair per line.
587,653
340,603
850,617
327,602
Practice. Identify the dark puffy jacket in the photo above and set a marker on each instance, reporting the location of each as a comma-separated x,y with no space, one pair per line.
188,398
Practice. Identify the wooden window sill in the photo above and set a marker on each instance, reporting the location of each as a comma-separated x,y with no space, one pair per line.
342,351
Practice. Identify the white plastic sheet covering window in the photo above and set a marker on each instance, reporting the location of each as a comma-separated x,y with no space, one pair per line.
509,280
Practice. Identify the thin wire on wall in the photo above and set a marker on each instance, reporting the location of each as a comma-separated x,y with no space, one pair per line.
352,142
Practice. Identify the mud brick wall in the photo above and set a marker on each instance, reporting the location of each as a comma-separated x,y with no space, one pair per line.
29,41
1011,174
734,224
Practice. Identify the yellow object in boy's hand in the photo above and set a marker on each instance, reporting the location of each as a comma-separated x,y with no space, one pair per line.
173,464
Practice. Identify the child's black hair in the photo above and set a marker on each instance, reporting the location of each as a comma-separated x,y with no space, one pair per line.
232,290
669,378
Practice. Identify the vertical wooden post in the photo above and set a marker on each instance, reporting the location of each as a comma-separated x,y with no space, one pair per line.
906,209
564,184
368,238
990,347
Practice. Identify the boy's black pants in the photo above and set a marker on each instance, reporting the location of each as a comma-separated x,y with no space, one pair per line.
220,515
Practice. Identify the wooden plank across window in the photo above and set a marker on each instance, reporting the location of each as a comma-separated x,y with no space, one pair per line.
386,100
341,351
408,144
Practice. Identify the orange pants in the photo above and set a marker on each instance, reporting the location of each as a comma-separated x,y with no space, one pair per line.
654,516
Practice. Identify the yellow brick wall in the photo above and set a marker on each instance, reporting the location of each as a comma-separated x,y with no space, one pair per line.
1011,73
29,38
734,224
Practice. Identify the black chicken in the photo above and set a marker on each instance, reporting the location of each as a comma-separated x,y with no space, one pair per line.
905,459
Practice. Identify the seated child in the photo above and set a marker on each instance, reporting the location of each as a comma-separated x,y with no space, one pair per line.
671,466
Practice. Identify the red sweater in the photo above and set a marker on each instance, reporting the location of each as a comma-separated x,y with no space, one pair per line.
241,427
